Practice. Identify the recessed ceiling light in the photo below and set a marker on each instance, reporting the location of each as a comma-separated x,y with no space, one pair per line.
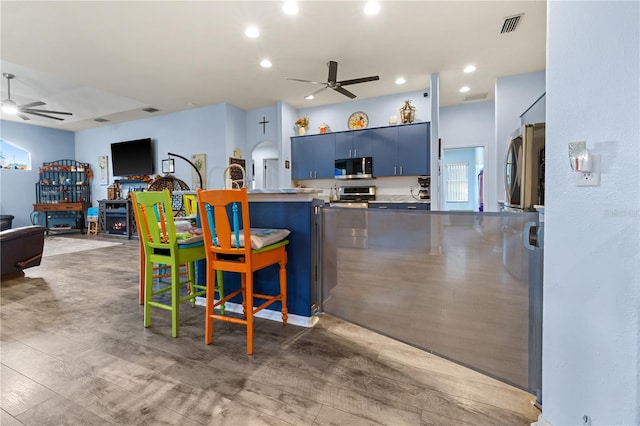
464,89
252,32
290,7
400,80
309,97
469,68
372,8
265,63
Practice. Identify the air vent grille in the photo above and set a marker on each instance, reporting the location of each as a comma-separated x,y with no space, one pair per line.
511,23
150,109
101,120
476,97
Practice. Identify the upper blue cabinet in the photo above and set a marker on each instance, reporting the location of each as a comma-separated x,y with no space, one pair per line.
402,150
353,144
313,156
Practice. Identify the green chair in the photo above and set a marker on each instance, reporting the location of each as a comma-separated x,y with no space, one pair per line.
154,215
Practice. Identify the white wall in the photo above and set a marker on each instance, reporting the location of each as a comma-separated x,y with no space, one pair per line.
591,359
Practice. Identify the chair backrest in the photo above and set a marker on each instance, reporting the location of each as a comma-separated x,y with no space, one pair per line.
190,204
224,213
154,216
92,212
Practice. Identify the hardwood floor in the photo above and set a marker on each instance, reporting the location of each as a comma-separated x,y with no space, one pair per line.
74,351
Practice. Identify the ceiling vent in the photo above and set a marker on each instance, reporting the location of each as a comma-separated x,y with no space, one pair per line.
101,120
150,109
511,23
476,97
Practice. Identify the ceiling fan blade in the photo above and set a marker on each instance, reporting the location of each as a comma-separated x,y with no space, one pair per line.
32,104
24,117
31,111
333,71
344,92
317,91
303,81
44,115
358,80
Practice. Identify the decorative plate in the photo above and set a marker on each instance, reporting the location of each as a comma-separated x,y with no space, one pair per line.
358,120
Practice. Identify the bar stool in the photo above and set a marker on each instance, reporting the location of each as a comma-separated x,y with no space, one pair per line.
92,221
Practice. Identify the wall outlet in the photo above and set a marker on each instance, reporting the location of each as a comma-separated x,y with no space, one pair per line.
592,178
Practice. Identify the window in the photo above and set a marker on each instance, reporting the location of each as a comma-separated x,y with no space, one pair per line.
457,182
14,157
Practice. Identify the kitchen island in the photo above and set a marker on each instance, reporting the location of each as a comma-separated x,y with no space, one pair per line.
298,210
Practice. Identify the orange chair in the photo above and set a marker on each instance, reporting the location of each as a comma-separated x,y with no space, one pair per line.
222,229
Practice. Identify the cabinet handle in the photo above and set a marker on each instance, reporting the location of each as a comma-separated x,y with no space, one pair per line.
349,153
355,153
382,207
401,171
315,173
310,173
411,207
395,170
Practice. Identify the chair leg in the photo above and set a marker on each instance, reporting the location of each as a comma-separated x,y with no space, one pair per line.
143,270
243,284
175,299
220,288
146,293
208,320
248,300
283,291
192,282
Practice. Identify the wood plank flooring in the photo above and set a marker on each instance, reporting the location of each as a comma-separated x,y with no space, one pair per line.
74,351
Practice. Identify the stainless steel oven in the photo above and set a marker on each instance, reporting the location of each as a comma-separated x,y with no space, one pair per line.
524,169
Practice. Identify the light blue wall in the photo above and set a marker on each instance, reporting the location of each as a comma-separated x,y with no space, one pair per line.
255,136
377,109
467,125
591,330
18,187
197,131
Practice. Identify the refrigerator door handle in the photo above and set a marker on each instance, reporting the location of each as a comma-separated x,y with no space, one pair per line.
530,236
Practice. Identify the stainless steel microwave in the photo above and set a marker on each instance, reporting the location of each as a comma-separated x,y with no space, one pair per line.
354,168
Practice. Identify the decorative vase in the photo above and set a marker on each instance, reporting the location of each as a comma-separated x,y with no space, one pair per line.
302,130
407,112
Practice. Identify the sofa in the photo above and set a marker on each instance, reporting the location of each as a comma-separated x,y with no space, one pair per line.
20,248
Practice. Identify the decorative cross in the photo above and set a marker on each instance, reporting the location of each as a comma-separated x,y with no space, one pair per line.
264,124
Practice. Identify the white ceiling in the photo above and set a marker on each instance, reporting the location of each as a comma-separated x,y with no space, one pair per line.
111,59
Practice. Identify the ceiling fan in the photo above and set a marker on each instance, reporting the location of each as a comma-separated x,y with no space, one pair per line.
10,107
333,84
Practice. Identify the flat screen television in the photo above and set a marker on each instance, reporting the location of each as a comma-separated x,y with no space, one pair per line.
132,158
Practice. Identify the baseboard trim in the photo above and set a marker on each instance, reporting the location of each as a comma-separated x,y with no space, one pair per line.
267,314
542,422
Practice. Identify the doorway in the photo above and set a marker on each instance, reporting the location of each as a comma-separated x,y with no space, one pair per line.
265,160
463,179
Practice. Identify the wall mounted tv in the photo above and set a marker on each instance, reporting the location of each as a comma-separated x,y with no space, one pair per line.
132,158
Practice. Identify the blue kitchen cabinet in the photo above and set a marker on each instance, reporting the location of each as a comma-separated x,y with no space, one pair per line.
414,149
353,144
385,151
313,156
401,150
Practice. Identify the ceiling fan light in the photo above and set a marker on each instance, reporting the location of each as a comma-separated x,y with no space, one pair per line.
290,7
9,107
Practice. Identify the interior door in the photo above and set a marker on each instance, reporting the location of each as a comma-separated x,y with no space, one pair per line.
270,173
